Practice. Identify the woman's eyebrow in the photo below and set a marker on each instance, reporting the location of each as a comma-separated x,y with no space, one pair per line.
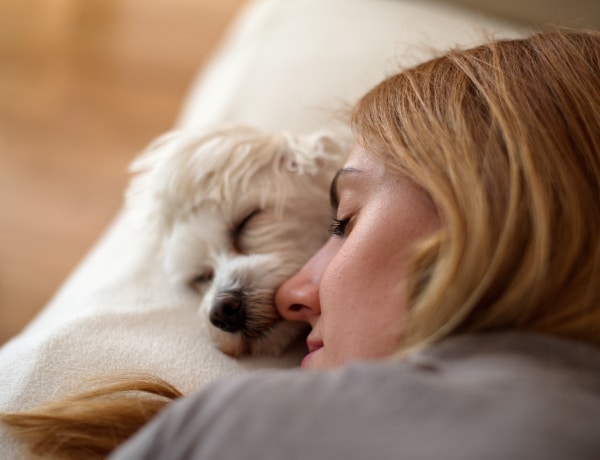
333,191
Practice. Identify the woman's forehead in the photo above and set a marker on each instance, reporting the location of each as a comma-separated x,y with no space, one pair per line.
360,159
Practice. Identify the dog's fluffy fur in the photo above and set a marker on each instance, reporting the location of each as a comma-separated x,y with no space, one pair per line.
238,212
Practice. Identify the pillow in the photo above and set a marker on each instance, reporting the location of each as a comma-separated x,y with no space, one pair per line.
285,65
293,64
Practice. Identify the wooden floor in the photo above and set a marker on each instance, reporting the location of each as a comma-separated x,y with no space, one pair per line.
84,86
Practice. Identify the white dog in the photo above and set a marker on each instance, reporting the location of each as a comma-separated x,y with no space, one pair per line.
238,212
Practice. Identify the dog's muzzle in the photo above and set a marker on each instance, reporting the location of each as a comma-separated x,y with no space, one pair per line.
228,312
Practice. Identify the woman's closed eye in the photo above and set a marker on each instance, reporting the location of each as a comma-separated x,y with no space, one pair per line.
338,227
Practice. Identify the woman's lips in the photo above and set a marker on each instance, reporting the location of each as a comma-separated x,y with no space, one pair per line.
314,346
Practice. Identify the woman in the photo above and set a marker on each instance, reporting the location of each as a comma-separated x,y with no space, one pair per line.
466,240
489,160
359,276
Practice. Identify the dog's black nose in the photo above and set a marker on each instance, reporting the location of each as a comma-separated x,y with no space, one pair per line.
227,312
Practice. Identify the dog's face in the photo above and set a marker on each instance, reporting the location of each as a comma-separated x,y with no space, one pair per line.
239,212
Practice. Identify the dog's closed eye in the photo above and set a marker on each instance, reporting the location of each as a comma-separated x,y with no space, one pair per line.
204,277
238,231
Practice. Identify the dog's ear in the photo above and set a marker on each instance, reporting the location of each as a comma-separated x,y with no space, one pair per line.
146,178
319,152
156,153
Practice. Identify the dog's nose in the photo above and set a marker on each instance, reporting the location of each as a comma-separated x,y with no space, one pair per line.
227,312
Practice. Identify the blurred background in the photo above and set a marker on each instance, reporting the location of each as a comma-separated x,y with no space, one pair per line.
84,86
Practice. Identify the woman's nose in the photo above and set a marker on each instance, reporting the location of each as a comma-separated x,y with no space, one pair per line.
297,299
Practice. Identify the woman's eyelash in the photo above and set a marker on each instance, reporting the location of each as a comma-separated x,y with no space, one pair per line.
338,227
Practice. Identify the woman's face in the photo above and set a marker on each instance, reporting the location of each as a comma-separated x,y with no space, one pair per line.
353,291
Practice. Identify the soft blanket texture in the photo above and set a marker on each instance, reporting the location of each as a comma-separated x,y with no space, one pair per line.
285,65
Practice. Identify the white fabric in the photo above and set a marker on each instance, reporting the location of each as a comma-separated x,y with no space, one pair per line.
292,64
286,65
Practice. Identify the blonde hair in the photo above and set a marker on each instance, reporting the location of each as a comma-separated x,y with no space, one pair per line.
93,423
506,140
